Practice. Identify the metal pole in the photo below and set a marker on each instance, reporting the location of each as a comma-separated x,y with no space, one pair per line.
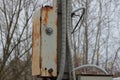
63,47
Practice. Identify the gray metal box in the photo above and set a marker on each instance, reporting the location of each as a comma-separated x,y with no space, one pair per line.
95,77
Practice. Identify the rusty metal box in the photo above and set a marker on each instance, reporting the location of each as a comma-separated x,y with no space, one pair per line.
44,49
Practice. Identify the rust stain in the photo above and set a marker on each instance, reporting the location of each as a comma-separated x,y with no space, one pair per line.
36,34
50,71
36,44
48,18
56,21
40,64
47,10
55,59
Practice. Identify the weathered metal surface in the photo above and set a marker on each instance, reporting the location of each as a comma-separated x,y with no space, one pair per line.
44,50
95,77
49,42
36,44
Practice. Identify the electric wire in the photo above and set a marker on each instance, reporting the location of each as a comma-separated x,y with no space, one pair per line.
63,52
73,14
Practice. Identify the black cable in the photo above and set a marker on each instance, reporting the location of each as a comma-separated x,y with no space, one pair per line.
73,14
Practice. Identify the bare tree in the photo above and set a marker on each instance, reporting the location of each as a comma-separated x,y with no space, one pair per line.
15,41
96,42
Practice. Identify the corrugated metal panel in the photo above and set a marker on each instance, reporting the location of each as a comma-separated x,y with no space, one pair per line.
49,42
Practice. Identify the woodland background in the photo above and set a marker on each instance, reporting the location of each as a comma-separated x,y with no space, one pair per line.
95,41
